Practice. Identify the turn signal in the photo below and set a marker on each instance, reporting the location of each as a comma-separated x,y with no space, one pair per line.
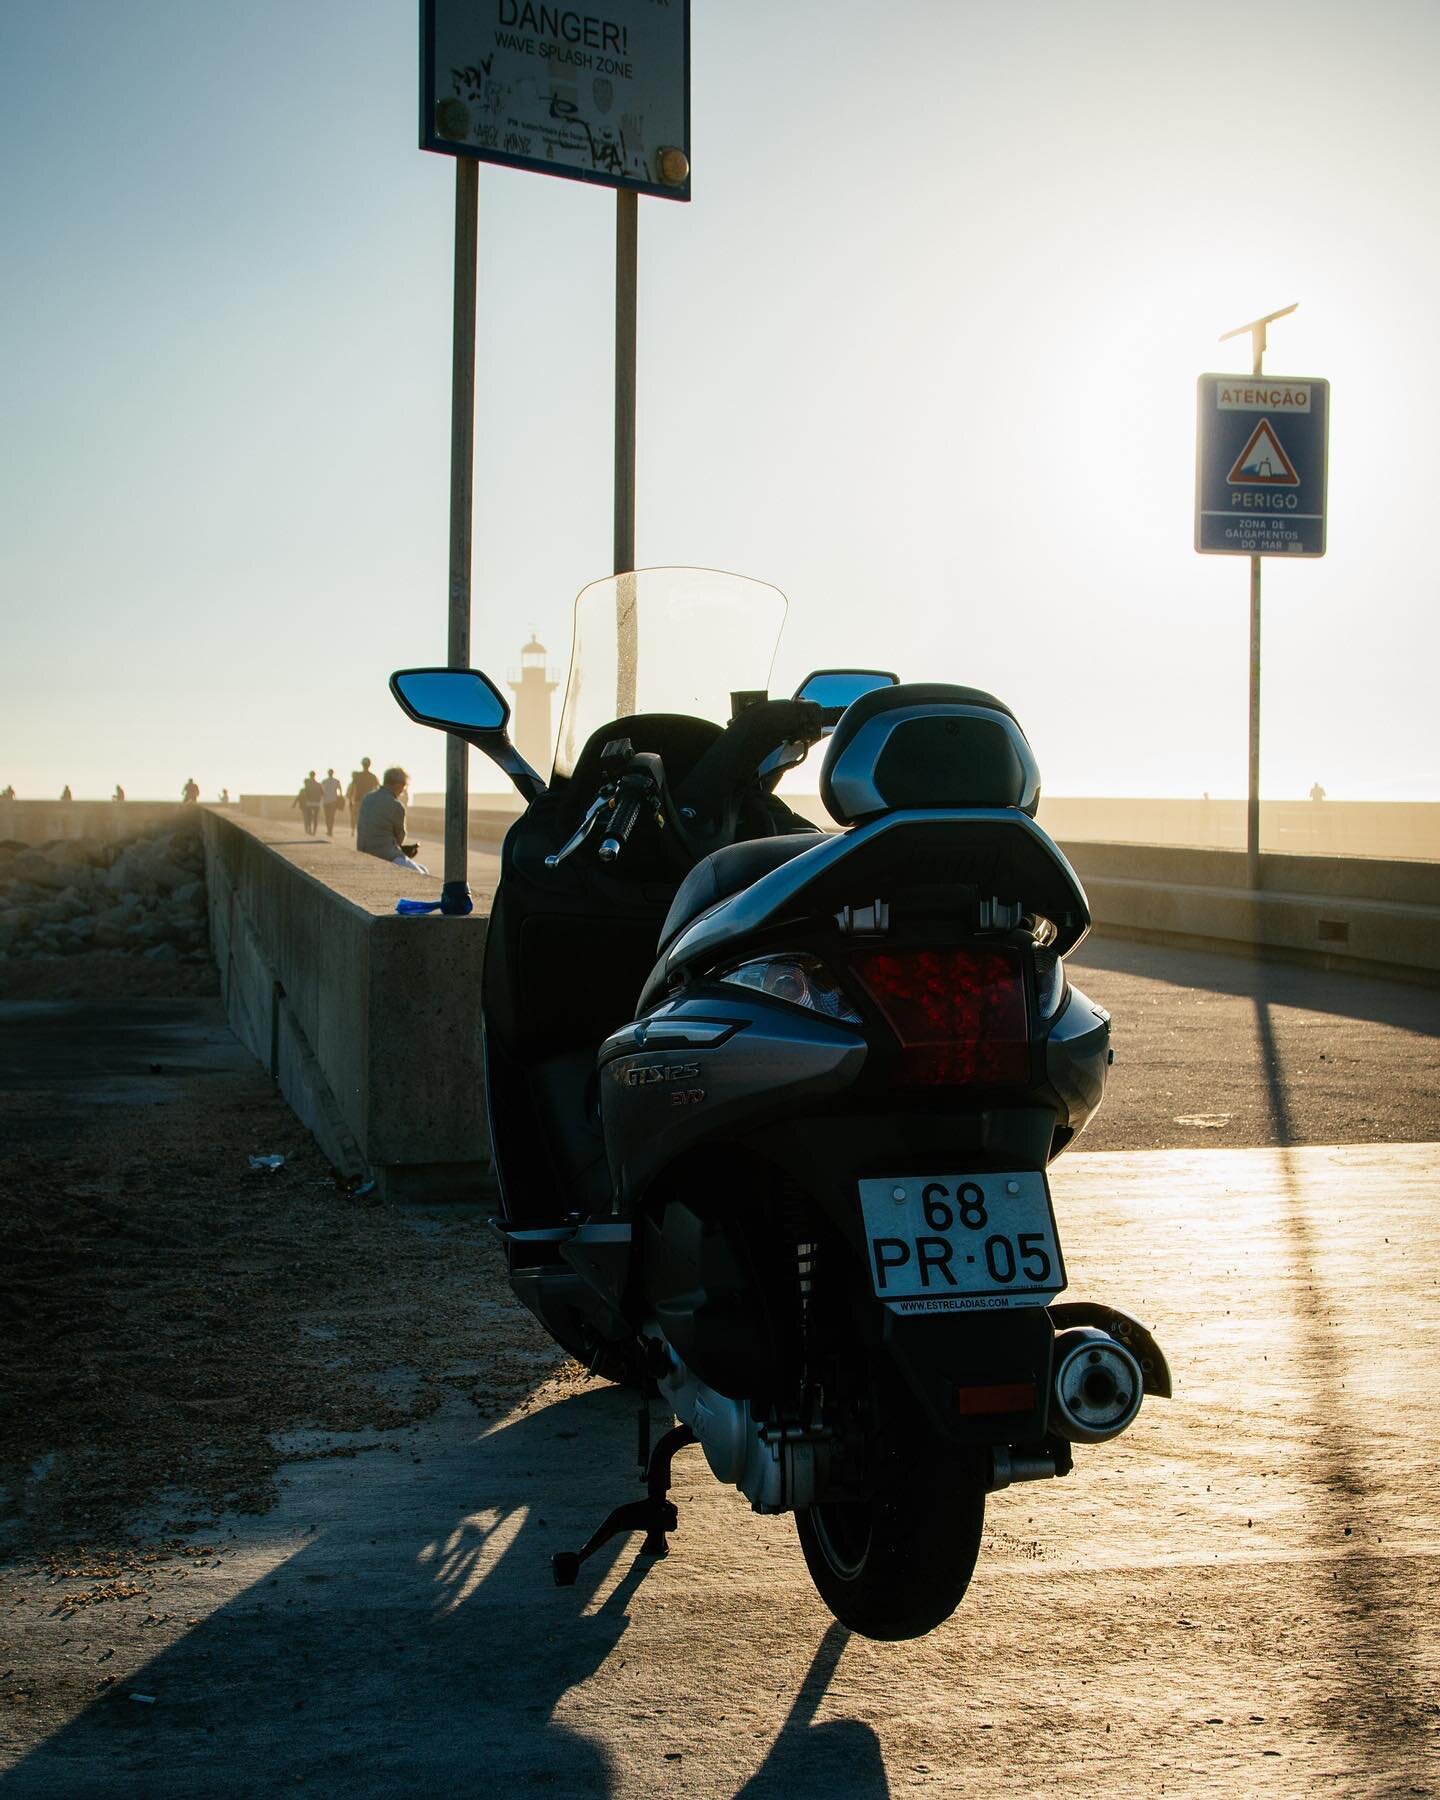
800,980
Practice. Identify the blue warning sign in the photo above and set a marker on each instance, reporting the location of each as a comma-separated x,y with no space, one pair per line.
1260,465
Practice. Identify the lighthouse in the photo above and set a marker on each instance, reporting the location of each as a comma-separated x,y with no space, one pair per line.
533,686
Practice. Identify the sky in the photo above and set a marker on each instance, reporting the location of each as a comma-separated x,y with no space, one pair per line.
921,351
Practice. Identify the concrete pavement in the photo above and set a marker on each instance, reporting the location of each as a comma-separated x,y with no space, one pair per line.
1237,1597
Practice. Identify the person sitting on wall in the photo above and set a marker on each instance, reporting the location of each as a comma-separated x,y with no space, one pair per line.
380,828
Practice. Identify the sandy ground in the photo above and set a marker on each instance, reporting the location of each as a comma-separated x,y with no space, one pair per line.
1238,1596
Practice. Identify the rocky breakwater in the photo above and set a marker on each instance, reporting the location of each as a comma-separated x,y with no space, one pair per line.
142,896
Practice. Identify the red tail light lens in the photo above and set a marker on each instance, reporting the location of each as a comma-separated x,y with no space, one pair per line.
959,1013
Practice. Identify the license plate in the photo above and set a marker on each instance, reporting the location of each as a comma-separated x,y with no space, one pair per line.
962,1243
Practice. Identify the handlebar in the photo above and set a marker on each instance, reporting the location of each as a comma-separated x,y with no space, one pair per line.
623,799
627,812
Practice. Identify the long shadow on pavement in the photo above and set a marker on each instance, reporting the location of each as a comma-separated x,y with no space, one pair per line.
417,1643
1279,983
1377,1671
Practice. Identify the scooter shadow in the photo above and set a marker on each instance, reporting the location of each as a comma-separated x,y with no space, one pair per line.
842,1756
417,1642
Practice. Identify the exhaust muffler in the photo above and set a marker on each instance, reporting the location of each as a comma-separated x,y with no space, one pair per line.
1098,1386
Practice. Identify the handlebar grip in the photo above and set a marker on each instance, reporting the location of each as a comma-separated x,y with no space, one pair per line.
627,811
626,815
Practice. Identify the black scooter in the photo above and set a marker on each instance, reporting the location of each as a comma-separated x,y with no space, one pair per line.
772,1106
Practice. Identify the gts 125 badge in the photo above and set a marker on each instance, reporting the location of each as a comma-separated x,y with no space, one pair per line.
654,1074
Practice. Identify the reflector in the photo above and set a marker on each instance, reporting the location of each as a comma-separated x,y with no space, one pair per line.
997,1397
959,1013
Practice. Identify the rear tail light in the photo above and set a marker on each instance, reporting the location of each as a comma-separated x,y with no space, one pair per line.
959,1013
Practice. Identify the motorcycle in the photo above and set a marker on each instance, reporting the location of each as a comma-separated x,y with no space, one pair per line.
772,1106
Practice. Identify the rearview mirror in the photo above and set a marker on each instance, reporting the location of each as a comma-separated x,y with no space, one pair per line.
458,700
469,705
833,689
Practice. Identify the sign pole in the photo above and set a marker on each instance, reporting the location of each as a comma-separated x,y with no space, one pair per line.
1252,797
455,894
626,280
1256,328
626,272
508,97
1252,801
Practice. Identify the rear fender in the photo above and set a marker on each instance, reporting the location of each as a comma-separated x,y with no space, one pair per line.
983,1378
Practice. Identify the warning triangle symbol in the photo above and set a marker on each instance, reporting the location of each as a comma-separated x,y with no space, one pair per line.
1263,461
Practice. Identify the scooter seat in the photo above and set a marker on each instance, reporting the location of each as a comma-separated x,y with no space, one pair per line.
727,871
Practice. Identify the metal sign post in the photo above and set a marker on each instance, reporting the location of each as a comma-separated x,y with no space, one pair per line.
455,893
1260,480
627,630
603,98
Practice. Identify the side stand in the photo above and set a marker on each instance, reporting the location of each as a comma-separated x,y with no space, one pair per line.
654,1515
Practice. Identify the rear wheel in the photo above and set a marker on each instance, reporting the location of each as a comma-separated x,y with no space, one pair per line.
897,1565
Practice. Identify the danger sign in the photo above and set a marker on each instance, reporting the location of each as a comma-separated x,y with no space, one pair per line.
1261,465
1262,460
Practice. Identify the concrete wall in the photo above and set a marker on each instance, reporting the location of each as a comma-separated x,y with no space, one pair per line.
1329,828
371,1024
43,821
359,1014
488,824
1361,914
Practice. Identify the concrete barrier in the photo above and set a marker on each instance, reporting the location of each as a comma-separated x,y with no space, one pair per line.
425,821
359,1014
1360,914
370,1022
1408,829
45,821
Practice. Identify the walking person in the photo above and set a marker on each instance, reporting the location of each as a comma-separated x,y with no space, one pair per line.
380,829
308,800
190,793
363,781
330,799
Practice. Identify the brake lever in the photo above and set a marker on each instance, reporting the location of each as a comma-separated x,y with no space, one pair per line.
600,804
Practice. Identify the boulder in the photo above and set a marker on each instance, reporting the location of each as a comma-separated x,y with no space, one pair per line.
15,925
69,903
34,867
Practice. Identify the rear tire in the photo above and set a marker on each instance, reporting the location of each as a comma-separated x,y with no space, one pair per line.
898,1565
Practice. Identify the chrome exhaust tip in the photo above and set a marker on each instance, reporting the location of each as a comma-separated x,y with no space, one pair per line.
1098,1386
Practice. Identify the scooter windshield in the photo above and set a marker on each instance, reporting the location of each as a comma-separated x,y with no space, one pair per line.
665,641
